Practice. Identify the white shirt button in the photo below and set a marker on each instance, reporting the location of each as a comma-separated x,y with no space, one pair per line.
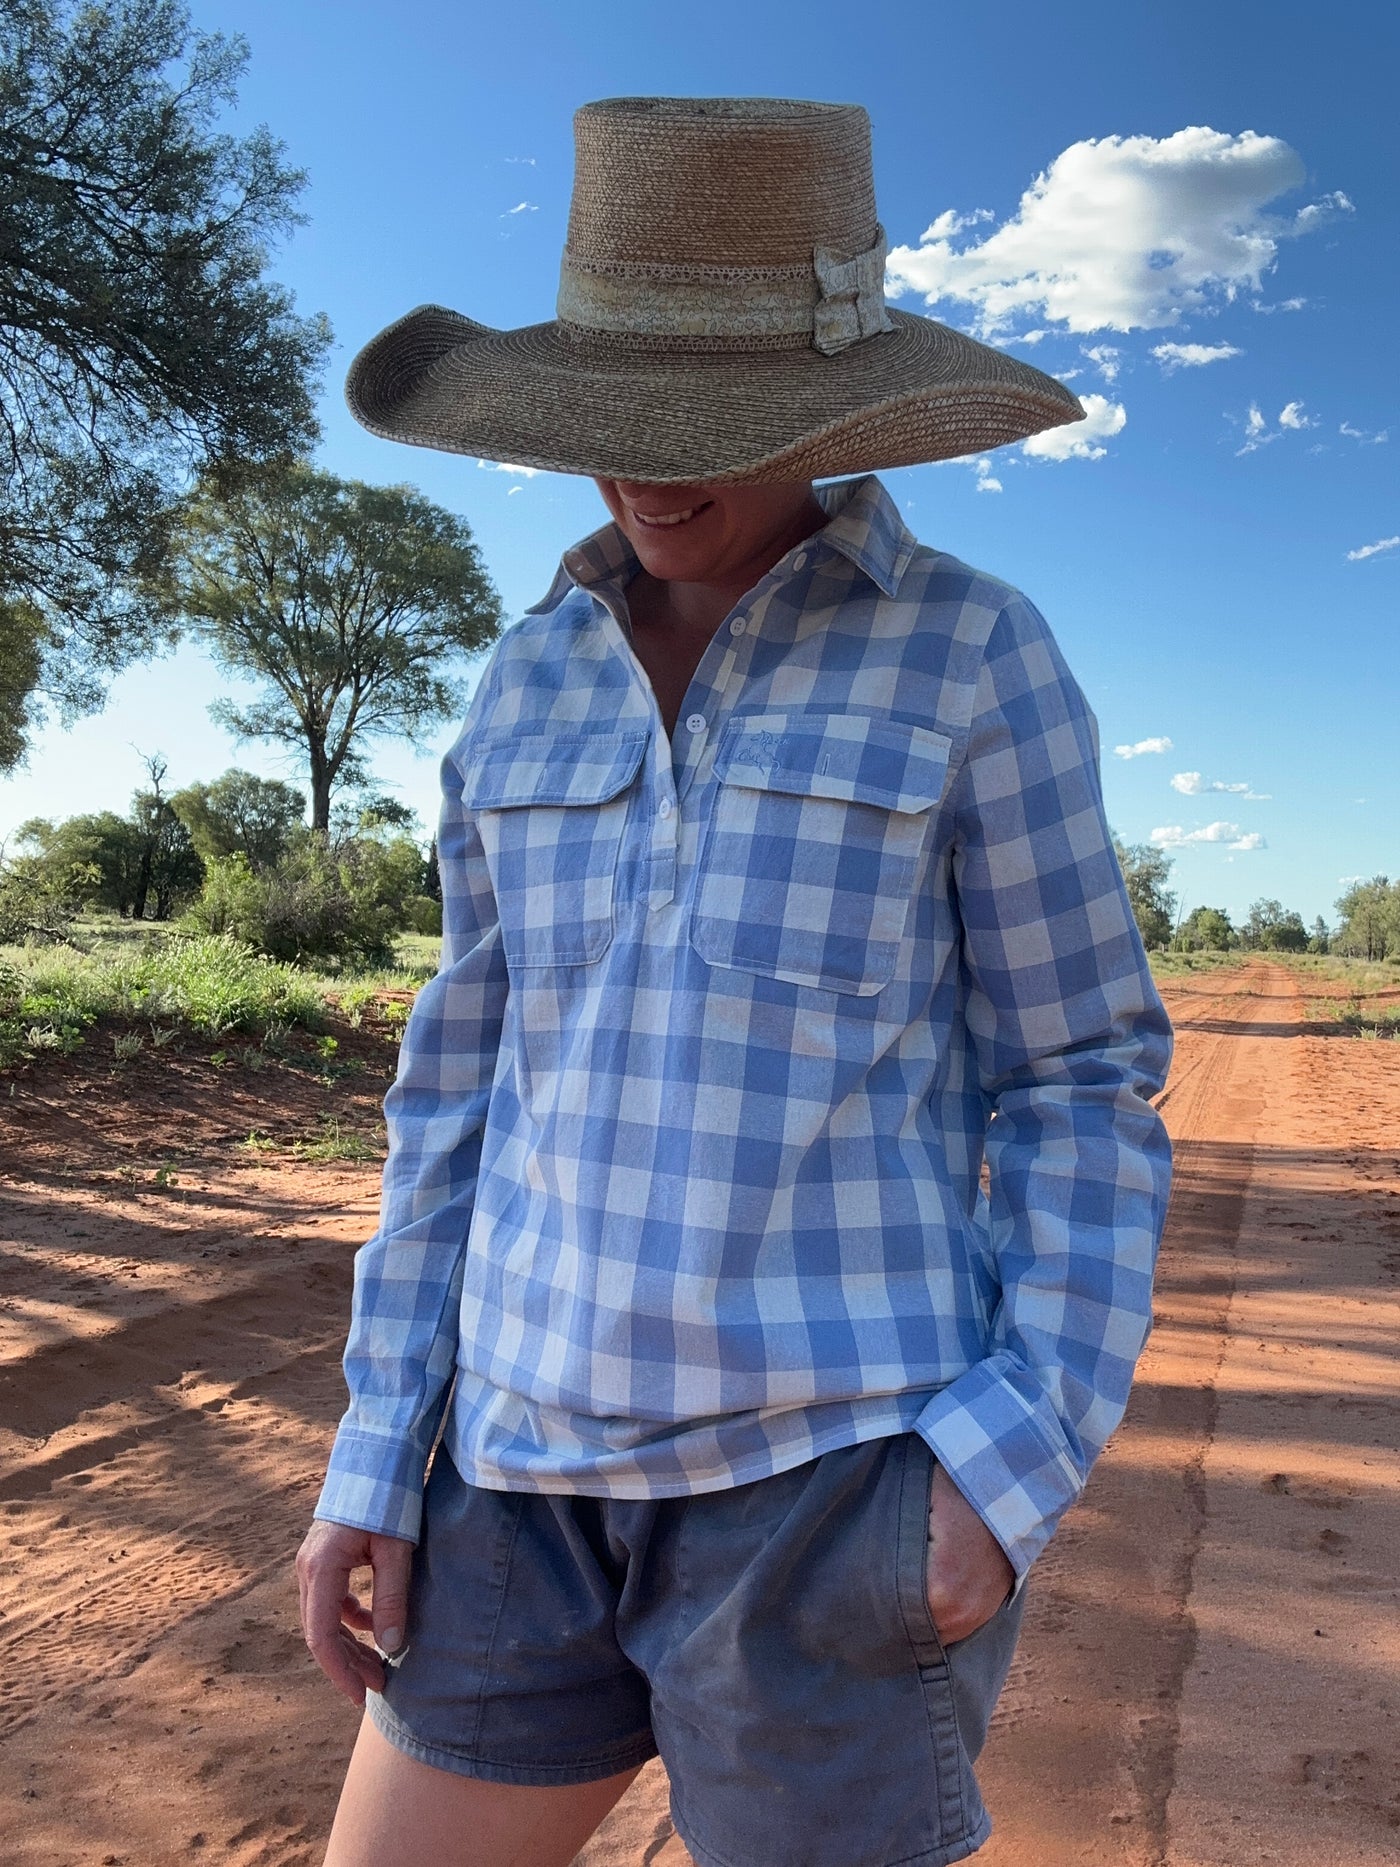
737,626
663,809
695,723
799,560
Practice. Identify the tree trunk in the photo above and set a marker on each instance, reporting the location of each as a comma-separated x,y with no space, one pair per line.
143,886
320,788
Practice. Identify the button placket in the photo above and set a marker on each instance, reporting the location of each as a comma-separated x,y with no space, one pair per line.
664,836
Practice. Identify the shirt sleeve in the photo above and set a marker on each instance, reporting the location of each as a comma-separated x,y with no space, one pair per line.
401,1352
1071,1042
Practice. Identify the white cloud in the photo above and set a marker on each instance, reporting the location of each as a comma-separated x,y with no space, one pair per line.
1121,233
1192,356
1192,784
521,207
1370,551
1143,746
1283,304
521,161
950,222
1077,441
506,466
1317,212
1173,836
987,482
1364,435
1105,358
1258,433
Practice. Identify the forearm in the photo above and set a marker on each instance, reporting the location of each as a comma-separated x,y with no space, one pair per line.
1080,1168
402,1346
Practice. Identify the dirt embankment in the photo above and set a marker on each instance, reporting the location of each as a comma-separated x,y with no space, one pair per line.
1208,1673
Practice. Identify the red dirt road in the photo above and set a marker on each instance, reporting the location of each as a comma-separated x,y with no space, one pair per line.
1209,1674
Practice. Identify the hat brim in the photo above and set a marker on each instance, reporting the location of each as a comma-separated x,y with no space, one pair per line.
547,396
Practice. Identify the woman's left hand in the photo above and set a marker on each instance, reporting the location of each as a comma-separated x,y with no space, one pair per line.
968,1574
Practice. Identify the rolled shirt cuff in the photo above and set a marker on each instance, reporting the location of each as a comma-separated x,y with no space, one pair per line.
1010,1464
374,1484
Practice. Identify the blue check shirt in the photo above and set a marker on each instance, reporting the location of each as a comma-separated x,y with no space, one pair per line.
786,1083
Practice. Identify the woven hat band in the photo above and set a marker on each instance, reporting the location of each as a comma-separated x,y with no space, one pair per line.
832,303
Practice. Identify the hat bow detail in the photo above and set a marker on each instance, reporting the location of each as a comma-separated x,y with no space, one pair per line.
852,301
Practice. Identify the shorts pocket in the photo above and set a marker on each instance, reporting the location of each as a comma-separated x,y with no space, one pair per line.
812,849
911,1564
551,810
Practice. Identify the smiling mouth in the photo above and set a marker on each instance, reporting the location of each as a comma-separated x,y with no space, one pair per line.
661,521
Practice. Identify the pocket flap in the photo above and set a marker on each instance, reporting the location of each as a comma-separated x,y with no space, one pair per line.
571,767
838,755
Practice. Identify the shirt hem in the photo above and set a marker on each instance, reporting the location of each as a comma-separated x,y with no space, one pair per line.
727,1474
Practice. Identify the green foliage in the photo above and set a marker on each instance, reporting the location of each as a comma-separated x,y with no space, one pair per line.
423,915
124,864
32,908
1146,870
1272,928
1205,930
335,1143
140,341
240,814
341,903
212,986
353,606
91,861
1370,920
24,635
1176,964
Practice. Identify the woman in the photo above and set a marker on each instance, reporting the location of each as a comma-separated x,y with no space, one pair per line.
778,899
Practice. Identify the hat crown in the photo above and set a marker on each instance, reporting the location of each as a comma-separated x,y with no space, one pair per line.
719,182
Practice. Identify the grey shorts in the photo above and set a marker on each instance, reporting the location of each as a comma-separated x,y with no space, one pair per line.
772,1641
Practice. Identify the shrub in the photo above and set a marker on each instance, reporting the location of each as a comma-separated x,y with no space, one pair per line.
424,915
318,901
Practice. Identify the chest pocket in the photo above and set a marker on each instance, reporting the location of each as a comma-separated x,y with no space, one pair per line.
811,853
551,809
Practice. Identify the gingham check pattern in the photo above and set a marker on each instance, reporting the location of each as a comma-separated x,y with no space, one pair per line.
683,1181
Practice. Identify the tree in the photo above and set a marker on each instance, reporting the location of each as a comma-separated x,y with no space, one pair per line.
1205,929
91,861
169,867
140,343
1370,923
1320,940
1272,927
240,813
1146,870
354,605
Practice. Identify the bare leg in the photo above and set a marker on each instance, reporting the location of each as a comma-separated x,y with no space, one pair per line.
397,1812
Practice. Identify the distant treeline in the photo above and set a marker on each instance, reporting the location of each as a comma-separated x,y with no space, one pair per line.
234,856
1368,926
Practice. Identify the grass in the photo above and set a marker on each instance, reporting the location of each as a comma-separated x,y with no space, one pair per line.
51,996
1184,965
148,975
334,1143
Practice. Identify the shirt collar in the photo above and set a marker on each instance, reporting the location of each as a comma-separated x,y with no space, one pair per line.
863,525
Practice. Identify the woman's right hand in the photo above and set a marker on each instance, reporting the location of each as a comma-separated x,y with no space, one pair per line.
332,1617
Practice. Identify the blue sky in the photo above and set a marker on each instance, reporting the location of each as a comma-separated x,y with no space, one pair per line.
1208,559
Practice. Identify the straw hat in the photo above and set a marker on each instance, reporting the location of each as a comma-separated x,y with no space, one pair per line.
721,317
